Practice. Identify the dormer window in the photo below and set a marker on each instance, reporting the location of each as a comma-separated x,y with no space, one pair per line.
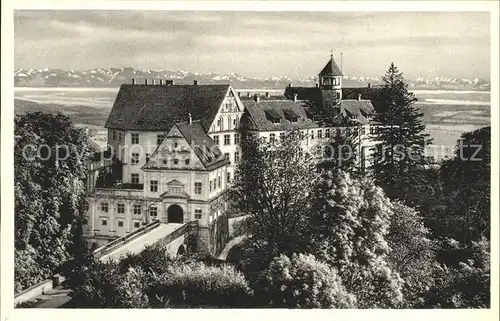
273,116
290,115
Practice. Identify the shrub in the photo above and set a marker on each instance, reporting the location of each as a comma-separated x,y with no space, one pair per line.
198,285
304,282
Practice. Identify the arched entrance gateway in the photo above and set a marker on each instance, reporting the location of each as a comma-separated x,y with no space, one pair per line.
175,214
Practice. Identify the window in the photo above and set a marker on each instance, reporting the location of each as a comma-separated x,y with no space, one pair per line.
148,156
187,161
228,122
236,139
135,138
104,207
176,161
215,183
159,139
372,130
327,133
165,162
320,133
228,177
137,209
175,190
85,207
85,222
216,139
236,157
282,136
218,182
119,137
120,208
135,158
153,212
114,135
312,134
210,189
227,139
104,222
197,188
226,156
134,178
153,186
120,223
272,137
197,213
361,130
176,144
137,224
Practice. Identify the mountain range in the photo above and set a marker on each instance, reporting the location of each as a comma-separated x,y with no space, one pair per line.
114,77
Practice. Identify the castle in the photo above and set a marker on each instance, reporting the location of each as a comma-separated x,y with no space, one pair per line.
174,149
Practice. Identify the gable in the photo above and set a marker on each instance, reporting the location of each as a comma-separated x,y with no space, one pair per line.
174,147
230,110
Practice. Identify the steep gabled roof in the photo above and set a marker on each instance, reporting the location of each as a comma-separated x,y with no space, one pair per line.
331,69
258,113
159,107
362,109
204,147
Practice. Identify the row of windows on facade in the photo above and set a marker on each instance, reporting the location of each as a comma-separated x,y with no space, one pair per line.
234,121
227,139
135,158
198,189
153,210
319,133
135,137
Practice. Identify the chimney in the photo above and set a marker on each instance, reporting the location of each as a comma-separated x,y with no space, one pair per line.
145,81
295,97
267,94
359,97
256,97
133,81
190,120
369,85
195,82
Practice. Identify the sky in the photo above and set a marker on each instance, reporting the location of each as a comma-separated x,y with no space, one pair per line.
256,44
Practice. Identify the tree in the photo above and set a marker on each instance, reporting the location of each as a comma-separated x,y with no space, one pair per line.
348,226
466,285
400,136
466,182
412,252
273,185
303,282
50,159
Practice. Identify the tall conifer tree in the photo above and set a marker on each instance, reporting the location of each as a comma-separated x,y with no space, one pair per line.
400,150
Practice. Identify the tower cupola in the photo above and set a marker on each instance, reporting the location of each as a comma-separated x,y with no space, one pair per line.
330,78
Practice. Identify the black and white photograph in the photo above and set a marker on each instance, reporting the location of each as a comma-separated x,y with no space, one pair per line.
273,156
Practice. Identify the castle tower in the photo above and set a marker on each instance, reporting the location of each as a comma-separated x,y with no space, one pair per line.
330,80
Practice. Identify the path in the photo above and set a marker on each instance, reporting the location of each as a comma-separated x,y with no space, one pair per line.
233,242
